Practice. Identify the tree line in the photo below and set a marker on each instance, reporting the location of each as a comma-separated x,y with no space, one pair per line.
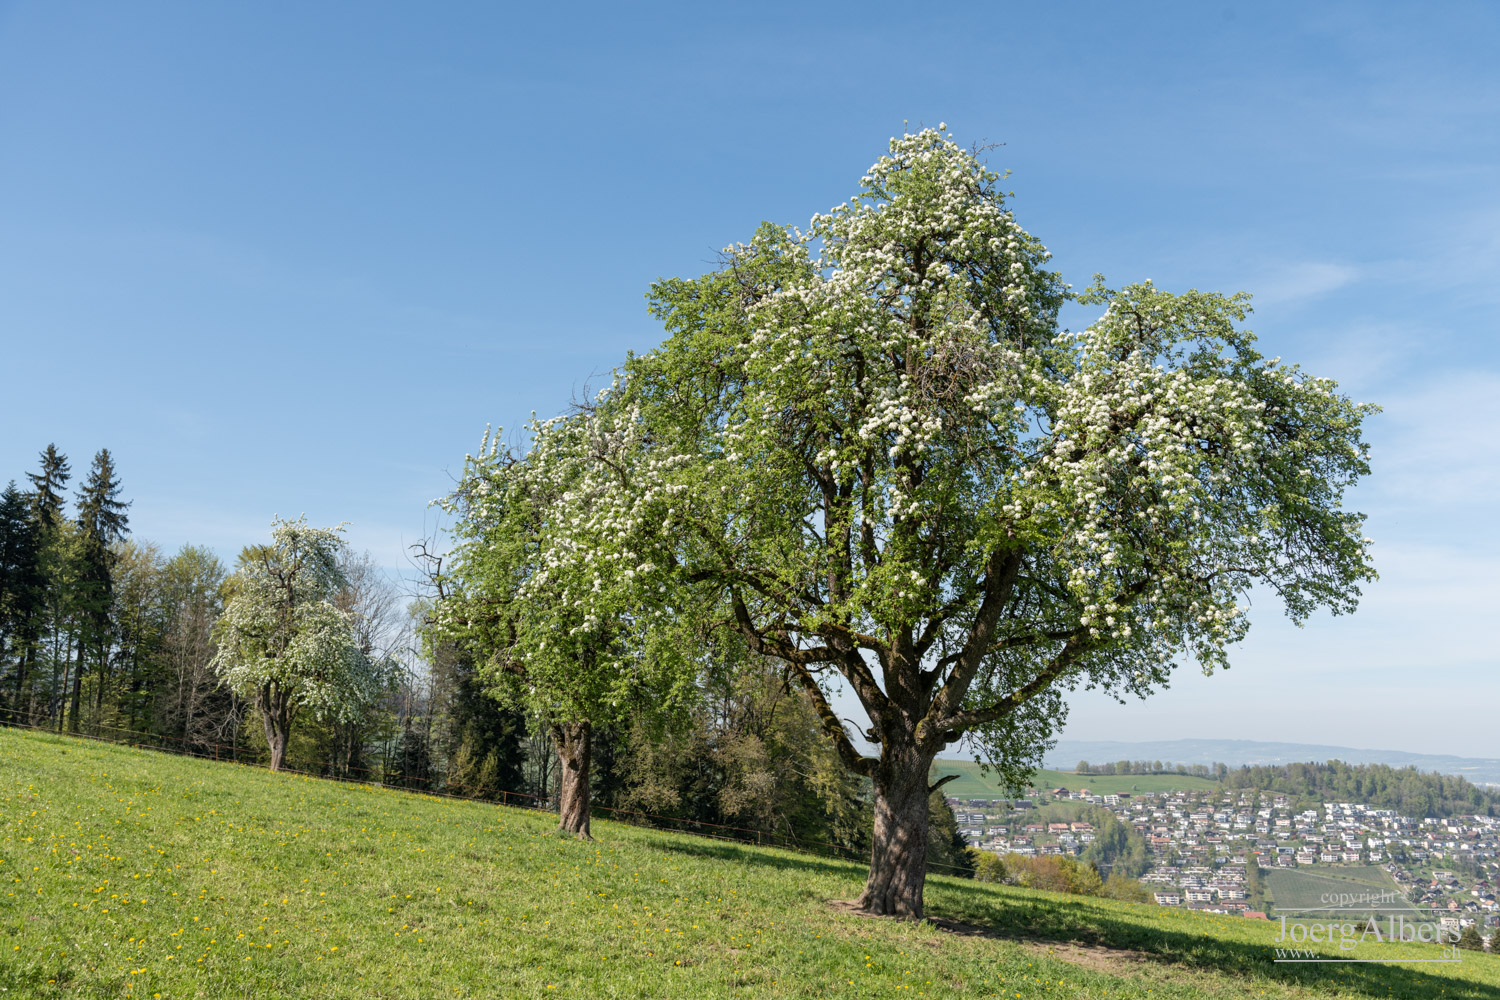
74,605
1407,790
1404,789
1215,771
101,633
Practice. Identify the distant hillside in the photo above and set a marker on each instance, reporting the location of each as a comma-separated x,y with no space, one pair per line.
1406,790
972,784
1236,753
1412,793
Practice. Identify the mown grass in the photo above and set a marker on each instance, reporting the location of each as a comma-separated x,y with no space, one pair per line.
974,783
134,874
1317,893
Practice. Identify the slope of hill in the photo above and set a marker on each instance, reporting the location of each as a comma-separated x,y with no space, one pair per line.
973,783
135,874
1067,753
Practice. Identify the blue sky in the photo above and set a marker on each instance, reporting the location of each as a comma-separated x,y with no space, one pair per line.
286,258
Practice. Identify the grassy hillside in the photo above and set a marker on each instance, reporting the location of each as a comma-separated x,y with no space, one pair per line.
974,784
1354,892
134,874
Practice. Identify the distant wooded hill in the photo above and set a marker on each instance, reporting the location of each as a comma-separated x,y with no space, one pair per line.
1406,790
1237,753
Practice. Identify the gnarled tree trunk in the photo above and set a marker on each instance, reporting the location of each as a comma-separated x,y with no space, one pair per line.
275,706
898,858
572,740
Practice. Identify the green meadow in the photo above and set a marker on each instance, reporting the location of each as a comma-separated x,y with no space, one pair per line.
129,873
973,783
1353,892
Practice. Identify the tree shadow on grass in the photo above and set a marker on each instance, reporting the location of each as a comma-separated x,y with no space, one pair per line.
1035,917
750,855
975,910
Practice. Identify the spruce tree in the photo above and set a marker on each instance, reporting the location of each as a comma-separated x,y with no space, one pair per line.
54,621
493,733
13,525
102,521
48,485
22,590
101,512
487,783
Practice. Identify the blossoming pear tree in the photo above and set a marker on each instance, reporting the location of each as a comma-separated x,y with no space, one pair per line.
283,642
875,441
547,598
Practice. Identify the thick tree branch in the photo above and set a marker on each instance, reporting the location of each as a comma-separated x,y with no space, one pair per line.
832,725
999,580
1080,643
772,645
961,722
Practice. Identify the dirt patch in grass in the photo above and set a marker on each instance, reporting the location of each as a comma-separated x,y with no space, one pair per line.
1098,958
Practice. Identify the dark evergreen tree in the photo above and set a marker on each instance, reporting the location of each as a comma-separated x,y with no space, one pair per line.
102,521
53,624
15,525
608,771
21,595
101,512
48,485
947,849
412,766
485,742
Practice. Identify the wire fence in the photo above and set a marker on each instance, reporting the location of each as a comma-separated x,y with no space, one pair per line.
255,757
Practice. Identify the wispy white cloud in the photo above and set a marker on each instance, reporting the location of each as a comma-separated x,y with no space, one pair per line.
1441,446
1294,282
1424,613
1364,358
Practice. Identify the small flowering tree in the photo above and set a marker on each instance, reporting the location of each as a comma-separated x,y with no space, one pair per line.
549,597
874,440
284,644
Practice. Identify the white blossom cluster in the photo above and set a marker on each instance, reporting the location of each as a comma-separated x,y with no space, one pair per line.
281,627
546,576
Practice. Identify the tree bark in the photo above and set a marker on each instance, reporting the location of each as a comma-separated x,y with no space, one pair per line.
24,664
274,706
77,692
99,693
572,740
898,857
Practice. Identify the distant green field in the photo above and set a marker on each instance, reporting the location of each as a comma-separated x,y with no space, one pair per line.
1328,891
974,785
